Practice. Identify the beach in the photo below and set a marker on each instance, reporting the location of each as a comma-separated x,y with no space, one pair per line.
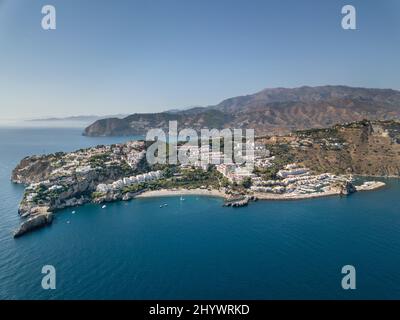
366,186
181,192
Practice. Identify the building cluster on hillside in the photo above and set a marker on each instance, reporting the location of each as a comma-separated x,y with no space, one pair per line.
31,190
295,179
199,157
292,170
325,143
132,152
302,143
129,181
235,173
84,160
232,166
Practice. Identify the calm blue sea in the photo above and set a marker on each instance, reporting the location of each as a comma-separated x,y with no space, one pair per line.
196,249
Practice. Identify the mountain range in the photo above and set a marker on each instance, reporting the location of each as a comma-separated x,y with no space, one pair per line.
270,111
83,118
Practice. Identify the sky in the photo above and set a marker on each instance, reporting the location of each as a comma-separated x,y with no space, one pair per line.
108,57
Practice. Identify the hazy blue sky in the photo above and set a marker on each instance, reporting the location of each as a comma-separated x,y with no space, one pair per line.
144,56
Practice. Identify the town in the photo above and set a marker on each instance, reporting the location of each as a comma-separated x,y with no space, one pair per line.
269,168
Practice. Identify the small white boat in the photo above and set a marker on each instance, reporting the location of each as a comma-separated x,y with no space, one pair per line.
182,199
73,212
104,206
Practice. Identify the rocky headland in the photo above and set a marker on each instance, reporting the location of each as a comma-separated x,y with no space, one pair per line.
302,165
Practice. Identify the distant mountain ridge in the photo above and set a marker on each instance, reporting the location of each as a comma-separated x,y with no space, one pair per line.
270,111
77,118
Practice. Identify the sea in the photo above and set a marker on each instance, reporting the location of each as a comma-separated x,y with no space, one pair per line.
196,249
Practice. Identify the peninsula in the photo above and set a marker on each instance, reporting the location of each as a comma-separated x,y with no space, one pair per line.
300,165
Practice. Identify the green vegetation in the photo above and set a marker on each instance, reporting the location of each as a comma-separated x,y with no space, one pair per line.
126,168
267,173
136,187
54,194
168,172
358,124
191,178
325,133
224,182
283,155
98,160
96,195
41,193
246,183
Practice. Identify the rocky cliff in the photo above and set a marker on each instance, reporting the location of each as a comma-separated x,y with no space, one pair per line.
33,223
366,148
61,180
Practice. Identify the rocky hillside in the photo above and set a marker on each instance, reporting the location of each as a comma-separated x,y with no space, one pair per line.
140,123
59,180
275,111
366,148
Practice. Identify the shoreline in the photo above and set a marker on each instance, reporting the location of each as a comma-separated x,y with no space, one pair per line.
369,186
46,218
181,192
278,197
376,176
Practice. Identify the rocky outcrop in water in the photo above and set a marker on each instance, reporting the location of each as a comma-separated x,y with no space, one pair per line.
33,223
345,188
348,188
240,202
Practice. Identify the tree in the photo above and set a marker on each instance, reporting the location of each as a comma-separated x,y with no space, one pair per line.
246,183
167,172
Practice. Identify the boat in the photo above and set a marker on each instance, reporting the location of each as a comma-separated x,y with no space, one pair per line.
182,199
73,212
104,206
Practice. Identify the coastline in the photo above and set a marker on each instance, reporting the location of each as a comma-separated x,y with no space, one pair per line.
370,186
367,186
271,196
46,218
182,192
376,176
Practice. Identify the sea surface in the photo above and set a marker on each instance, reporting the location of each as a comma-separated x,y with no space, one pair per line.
196,249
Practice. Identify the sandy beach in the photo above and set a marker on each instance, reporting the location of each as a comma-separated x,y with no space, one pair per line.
181,192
